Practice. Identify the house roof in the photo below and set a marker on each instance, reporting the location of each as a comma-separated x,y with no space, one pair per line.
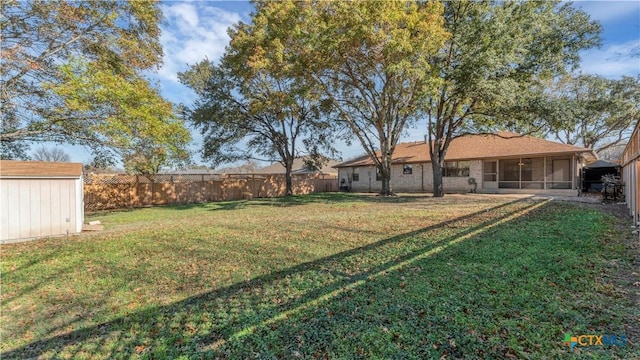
193,172
40,168
298,168
471,147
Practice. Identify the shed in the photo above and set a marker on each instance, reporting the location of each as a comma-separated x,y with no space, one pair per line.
592,174
40,199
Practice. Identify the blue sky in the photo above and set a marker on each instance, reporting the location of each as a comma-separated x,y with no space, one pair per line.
193,30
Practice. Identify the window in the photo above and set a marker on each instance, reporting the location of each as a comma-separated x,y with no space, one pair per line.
407,169
456,168
356,177
378,174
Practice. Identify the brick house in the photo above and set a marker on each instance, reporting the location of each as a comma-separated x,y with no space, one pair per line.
300,167
505,162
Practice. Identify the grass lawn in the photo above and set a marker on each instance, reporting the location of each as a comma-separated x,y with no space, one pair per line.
326,276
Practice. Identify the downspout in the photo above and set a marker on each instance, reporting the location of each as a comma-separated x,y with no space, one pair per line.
353,171
580,172
544,168
422,177
574,166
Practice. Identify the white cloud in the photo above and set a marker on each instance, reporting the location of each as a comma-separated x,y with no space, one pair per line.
613,61
191,32
183,12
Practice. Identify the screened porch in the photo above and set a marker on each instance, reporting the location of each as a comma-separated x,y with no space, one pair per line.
532,173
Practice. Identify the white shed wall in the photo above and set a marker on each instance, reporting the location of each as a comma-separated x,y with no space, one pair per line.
39,207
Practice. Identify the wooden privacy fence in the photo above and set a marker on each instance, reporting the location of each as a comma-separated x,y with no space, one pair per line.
102,192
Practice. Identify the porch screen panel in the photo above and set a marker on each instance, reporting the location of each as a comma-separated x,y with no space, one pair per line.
559,172
532,173
509,177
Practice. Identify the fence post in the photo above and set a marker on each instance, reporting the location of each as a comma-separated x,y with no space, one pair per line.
135,192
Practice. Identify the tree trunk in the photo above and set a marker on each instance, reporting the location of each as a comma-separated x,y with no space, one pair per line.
386,186
385,172
287,177
437,165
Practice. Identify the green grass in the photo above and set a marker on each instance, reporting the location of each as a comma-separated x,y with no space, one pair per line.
322,276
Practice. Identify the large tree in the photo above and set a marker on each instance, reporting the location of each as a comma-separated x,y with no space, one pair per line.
149,158
491,65
372,60
259,102
73,72
592,111
55,154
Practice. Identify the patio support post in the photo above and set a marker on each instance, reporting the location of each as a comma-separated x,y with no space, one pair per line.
544,158
574,171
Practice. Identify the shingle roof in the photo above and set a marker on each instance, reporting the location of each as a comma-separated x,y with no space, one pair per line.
470,147
39,168
298,168
602,164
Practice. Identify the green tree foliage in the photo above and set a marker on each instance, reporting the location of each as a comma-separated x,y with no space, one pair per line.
592,111
497,54
372,60
259,102
149,158
73,72
14,150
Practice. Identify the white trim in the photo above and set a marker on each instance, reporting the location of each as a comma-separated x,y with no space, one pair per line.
79,204
40,177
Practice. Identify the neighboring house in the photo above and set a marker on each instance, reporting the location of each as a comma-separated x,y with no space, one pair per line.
40,199
299,167
631,172
502,163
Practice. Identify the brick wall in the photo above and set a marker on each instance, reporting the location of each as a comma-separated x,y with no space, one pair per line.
455,184
366,178
420,179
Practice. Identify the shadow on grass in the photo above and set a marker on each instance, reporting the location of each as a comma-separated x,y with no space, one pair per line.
285,201
295,200
219,322
318,198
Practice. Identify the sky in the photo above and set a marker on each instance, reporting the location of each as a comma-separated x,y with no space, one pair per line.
195,30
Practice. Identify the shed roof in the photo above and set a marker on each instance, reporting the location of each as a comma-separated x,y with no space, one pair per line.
484,146
40,168
602,164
